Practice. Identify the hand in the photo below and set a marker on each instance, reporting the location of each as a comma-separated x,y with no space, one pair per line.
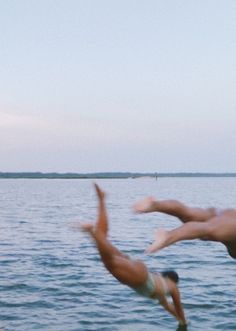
182,327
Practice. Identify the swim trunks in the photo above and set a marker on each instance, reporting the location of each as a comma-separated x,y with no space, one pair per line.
231,248
148,288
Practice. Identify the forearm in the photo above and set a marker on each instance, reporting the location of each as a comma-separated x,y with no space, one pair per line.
180,314
171,309
177,304
182,320
177,313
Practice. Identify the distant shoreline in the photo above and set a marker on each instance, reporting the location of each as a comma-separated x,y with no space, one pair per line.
107,175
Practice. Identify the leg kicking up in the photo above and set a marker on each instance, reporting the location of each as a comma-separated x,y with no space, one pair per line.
210,224
130,272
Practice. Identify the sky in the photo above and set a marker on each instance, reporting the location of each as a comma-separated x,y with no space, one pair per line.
128,85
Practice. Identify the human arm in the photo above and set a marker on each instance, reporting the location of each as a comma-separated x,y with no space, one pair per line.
174,308
169,307
175,294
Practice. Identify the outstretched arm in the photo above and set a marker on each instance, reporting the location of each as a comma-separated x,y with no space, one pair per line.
178,305
174,308
169,307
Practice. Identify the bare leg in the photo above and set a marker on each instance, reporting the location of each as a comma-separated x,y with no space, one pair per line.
127,271
102,224
102,220
188,231
174,208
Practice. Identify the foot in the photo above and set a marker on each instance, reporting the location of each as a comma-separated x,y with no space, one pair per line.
87,227
159,242
100,193
145,206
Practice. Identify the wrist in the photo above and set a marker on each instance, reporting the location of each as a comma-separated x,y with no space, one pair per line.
182,322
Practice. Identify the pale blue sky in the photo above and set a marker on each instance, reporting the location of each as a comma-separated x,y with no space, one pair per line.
124,85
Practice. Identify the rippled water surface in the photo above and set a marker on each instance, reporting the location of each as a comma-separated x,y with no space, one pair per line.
51,276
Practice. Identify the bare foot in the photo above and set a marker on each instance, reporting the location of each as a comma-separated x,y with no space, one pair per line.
87,227
144,206
159,242
100,193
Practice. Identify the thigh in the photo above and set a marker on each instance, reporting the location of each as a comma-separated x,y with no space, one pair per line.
193,214
128,271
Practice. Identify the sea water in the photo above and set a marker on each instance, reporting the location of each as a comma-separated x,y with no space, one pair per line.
51,277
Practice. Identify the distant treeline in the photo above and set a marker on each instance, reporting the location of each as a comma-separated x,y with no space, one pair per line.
55,175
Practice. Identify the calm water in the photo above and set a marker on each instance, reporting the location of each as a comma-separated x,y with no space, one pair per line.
52,279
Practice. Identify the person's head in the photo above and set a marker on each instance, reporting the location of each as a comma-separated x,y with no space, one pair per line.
171,274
